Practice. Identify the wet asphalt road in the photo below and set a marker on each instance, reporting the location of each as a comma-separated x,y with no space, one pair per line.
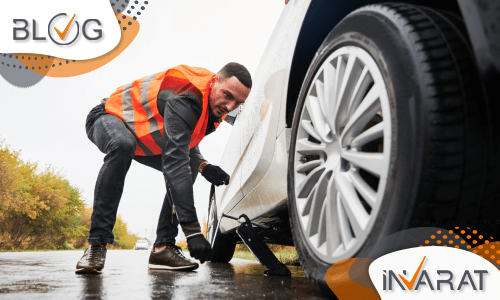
51,275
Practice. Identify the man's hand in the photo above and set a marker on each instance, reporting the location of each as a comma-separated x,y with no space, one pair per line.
199,247
215,175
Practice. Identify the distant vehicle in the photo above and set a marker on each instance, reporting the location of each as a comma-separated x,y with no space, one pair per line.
365,118
142,244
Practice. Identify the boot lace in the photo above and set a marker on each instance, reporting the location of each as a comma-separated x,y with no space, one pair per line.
177,250
95,251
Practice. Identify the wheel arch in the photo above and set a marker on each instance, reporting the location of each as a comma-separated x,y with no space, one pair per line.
321,17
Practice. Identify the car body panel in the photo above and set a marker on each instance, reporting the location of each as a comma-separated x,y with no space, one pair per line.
270,195
261,121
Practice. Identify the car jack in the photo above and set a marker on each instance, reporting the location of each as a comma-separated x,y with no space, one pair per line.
260,250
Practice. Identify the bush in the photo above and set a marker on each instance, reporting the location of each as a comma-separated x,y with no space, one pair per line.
40,209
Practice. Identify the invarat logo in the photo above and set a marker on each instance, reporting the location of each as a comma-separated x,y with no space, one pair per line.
65,29
434,272
23,33
445,279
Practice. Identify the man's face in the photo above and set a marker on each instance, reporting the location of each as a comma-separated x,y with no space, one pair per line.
226,95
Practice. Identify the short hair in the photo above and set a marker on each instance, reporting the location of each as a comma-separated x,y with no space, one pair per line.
238,71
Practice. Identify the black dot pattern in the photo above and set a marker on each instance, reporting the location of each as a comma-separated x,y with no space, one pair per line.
126,20
123,6
12,61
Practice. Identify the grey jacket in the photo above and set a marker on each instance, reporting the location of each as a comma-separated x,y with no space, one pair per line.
179,163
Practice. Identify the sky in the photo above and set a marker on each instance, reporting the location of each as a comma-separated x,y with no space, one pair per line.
46,122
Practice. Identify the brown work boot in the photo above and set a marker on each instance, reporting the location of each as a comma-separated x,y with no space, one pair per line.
170,258
92,261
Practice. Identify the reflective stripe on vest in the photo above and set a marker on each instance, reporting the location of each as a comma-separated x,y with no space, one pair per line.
136,105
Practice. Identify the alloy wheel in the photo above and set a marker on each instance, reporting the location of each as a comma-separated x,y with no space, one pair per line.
342,153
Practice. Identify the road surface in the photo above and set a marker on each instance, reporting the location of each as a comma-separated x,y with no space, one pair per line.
51,275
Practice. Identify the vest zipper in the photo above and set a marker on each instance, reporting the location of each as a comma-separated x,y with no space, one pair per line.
173,207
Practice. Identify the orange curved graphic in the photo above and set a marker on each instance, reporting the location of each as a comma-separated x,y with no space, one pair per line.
57,67
338,280
490,252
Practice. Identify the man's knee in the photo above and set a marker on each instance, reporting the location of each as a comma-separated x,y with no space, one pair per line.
123,146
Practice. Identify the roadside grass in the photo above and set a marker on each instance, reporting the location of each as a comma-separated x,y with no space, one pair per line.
285,254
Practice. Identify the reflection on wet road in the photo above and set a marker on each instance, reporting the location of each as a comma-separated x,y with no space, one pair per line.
51,275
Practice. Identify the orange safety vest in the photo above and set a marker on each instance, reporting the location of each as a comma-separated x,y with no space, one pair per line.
136,105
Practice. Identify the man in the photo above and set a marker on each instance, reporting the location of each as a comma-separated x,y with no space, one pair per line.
158,121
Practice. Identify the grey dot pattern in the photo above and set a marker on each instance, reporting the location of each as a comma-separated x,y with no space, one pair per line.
119,5
7,60
16,73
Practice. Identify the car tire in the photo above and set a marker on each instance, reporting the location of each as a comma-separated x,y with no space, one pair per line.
223,245
431,153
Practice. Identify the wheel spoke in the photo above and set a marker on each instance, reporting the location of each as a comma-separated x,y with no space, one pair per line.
369,135
309,182
364,82
318,118
356,213
330,220
330,91
371,162
339,76
322,237
320,91
363,114
317,204
309,128
363,188
344,228
351,77
306,203
306,147
308,166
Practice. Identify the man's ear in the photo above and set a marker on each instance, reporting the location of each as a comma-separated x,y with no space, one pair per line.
214,80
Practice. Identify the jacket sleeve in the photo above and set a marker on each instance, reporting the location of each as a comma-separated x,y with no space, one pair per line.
181,113
196,158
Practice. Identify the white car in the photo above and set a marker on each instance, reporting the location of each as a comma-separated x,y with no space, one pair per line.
363,120
142,244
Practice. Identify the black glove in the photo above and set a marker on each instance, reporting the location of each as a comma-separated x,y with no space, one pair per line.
199,247
215,175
